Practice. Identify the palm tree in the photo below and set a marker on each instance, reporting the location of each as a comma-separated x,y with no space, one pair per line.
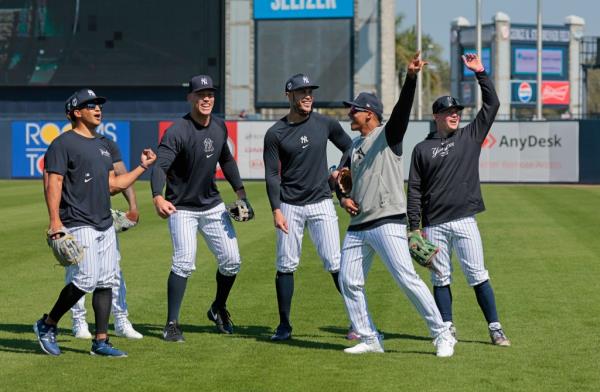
436,78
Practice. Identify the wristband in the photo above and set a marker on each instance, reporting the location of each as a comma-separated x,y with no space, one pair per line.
143,166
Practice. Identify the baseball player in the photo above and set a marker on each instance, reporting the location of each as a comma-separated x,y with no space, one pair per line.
300,194
444,193
376,204
80,180
123,326
187,158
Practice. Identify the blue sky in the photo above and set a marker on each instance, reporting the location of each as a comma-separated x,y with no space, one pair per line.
436,15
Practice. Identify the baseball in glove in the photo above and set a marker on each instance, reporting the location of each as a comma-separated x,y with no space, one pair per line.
422,250
344,181
124,221
240,210
65,247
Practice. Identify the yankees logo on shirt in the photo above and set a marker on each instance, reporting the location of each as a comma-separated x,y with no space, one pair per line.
441,151
208,145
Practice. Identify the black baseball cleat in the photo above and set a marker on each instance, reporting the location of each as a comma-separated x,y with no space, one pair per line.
172,332
282,333
221,318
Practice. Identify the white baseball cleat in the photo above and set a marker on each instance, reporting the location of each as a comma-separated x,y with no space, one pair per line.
451,328
81,329
363,348
124,329
444,343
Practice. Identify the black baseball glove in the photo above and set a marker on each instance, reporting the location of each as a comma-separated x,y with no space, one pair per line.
240,210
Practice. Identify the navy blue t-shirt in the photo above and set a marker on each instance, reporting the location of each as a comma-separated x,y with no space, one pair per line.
186,161
301,150
85,164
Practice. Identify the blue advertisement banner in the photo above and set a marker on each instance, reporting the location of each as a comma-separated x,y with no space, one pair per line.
30,140
523,92
303,9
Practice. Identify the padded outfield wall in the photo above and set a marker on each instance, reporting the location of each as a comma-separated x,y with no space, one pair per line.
531,152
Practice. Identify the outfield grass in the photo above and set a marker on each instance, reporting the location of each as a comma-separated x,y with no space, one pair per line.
541,246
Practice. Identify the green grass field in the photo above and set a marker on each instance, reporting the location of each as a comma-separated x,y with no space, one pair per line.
541,246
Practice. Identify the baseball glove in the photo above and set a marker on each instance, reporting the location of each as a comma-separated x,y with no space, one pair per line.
124,221
66,249
344,181
240,210
422,250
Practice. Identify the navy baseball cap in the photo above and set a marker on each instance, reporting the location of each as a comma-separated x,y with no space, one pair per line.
298,82
201,82
367,101
80,98
444,103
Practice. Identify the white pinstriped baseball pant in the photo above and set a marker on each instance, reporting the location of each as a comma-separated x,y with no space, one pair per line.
322,223
462,235
219,235
389,241
100,265
119,292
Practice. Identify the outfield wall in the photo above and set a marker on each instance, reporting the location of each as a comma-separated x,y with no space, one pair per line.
544,152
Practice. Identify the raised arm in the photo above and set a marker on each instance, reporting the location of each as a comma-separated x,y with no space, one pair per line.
481,125
124,181
396,126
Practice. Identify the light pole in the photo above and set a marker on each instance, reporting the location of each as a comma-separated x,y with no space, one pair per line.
538,111
478,48
419,80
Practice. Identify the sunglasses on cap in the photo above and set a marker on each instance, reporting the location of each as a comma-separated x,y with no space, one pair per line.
89,105
356,109
451,112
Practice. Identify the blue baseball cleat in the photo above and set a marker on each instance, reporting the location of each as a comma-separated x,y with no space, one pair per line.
46,335
282,333
104,348
222,319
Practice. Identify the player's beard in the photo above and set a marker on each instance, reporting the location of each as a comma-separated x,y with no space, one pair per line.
300,110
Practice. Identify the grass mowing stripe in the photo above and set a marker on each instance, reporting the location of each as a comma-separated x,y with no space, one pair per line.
540,248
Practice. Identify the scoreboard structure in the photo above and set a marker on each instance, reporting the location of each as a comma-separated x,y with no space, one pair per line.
509,54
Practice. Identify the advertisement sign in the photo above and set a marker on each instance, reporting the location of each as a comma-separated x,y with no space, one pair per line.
525,62
529,33
554,92
524,92
303,9
531,152
250,149
512,151
30,140
232,141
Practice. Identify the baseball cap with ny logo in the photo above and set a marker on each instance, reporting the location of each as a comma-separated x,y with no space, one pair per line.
201,82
